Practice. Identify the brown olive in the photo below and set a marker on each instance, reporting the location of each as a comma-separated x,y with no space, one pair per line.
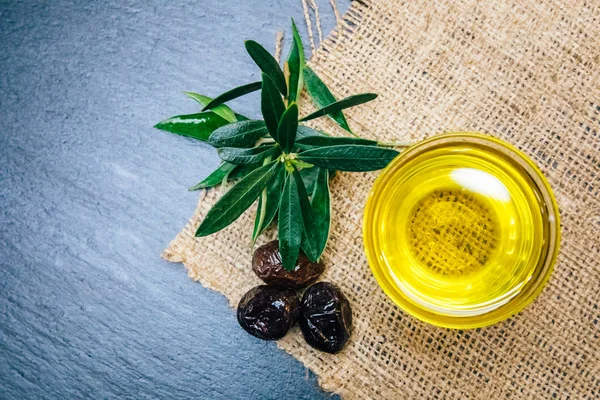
325,317
267,265
268,312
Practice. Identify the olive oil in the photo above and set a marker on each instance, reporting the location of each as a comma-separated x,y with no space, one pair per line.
459,230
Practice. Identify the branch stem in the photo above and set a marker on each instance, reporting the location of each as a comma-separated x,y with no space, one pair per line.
395,144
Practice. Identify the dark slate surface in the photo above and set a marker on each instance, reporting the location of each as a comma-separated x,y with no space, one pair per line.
90,194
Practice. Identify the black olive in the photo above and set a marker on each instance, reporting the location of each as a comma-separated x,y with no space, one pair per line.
267,265
326,317
268,312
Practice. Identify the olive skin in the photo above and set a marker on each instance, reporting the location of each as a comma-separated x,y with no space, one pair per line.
267,265
268,312
326,318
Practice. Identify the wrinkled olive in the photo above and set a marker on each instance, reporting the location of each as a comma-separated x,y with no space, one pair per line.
325,317
268,312
267,265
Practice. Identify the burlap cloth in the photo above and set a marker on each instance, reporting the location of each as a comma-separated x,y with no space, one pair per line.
525,71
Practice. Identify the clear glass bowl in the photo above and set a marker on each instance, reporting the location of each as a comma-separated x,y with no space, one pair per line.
461,230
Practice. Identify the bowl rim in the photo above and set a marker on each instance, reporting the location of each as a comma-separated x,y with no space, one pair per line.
533,287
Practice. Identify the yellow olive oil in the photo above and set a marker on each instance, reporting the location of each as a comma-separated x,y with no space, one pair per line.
458,231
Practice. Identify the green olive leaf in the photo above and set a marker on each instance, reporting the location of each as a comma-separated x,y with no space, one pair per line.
339,105
286,130
309,142
255,155
233,94
295,64
271,105
354,158
322,96
267,64
197,126
304,131
290,223
223,111
309,238
241,171
238,134
268,203
241,117
237,200
309,177
321,207
215,177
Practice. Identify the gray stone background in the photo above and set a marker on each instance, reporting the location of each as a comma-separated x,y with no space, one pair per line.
90,195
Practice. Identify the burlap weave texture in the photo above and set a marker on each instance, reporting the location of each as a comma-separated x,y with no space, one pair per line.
527,72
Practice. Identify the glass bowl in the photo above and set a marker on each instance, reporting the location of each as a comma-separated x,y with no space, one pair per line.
461,230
